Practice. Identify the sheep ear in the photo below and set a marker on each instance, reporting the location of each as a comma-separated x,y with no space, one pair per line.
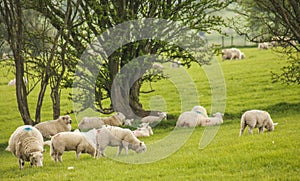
275,124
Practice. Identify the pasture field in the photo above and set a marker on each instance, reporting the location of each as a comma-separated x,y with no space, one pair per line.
268,156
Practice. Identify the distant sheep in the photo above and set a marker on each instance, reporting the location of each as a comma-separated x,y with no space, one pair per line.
157,66
232,53
256,119
128,122
50,128
175,64
263,45
154,119
212,121
13,82
88,123
116,136
26,143
144,130
192,118
72,141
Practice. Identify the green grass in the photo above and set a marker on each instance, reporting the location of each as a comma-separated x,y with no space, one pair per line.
269,156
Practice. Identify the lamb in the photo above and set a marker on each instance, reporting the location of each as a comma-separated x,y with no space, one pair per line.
212,121
154,119
192,118
256,119
116,136
50,128
232,53
26,143
143,131
73,141
88,123
128,122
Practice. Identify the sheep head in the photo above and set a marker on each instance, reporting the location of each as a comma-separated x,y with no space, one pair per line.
36,159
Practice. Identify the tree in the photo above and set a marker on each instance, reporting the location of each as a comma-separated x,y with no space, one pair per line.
99,16
274,21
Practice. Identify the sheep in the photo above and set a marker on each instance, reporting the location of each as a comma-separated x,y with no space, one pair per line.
175,64
88,123
157,66
26,143
232,53
73,141
116,136
50,128
154,119
144,130
13,82
128,122
263,45
192,118
256,119
212,121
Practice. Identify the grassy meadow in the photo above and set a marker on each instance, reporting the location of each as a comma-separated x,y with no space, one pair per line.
268,156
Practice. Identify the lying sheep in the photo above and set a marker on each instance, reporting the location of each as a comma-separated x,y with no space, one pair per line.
192,118
232,53
154,119
128,122
116,136
144,130
88,123
72,141
26,143
200,110
50,128
256,119
212,121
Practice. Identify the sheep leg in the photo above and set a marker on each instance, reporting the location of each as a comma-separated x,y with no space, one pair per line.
120,150
59,155
77,154
21,163
261,129
250,130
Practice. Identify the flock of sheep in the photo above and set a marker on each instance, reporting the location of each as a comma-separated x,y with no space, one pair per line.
94,134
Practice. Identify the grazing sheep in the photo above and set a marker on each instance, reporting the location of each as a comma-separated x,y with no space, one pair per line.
232,53
256,119
154,119
143,131
27,144
192,118
88,123
116,136
264,45
50,128
212,121
73,141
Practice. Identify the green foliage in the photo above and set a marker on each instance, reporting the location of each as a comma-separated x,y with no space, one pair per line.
269,156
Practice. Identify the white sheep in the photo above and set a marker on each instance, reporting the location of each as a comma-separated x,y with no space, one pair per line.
128,122
263,45
88,123
154,119
116,136
50,128
192,118
256,119
157,66
200,110
26,143
175,64
232,53
212,121
144,130
73,141
13,82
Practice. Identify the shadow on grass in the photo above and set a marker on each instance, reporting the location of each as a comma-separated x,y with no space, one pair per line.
277,110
